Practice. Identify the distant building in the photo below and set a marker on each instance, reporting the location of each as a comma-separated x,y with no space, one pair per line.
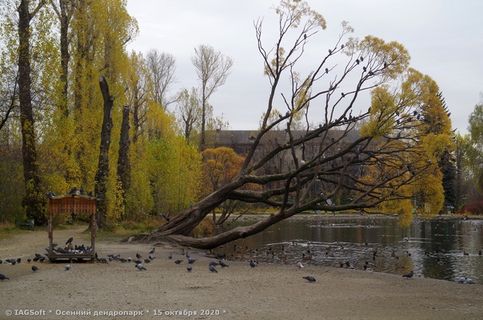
242,140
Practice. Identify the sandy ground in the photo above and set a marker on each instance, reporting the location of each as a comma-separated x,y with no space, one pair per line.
236,292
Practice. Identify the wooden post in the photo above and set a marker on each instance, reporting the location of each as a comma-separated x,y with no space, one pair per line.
51,237
93,232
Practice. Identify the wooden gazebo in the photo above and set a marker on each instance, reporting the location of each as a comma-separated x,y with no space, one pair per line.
74,203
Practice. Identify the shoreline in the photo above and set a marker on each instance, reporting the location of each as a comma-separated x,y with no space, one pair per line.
268,291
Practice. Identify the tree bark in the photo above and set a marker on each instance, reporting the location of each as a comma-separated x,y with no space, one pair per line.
33,200
64,55
123,164
103,166
203,120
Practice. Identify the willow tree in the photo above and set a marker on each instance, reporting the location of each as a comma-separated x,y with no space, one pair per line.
337,151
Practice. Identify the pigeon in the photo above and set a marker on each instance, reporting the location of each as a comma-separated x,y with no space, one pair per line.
178,261
212,268
67,267
253,263
300,265
3,277
152,250
129,259
408,275
223,264
189,268
69,241
34,268
309,278
191,260
465,280
140,267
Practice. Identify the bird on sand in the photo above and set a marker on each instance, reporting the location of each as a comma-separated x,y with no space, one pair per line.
253,263
191,260
222,263
309,278
138,255
3,277
300,265
67,267
189,268
152,250
69,240
408,275
178,261
34,268
170,256
140,267
212,268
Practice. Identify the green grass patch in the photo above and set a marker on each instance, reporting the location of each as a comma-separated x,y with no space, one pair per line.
126,228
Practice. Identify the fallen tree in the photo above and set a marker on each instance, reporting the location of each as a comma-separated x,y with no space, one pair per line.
373,156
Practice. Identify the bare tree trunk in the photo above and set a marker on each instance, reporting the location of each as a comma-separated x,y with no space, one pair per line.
103,166
188,220
203,120
33,201
64,56
123,164
228,236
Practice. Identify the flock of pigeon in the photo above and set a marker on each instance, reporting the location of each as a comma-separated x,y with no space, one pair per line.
139,262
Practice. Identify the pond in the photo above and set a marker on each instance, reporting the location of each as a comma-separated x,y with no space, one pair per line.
447,249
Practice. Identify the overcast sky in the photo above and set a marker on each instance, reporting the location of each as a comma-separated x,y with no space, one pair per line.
443,37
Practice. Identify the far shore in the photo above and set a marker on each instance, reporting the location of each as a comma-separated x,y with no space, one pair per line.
455,216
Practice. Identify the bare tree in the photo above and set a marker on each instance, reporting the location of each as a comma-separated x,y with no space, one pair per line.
161,68
212,69
189,111
371,154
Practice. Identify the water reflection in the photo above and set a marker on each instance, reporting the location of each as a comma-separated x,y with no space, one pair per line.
442,249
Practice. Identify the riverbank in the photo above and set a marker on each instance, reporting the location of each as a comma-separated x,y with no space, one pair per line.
238,292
